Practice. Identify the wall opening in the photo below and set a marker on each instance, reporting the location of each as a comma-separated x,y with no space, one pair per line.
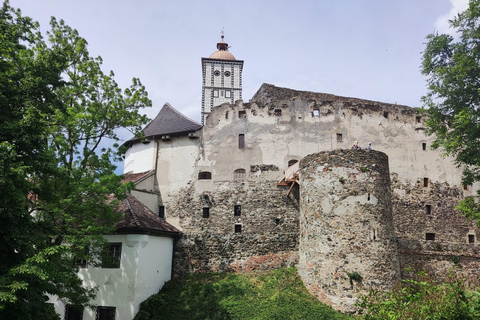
424,146
385,114
241,141
242,114
105,313
278,112
292,162
418,119
161,211
111,259
206,212
471,238
237,210
239,174
425,182
465,187
204,175
368,196
277,221
339,137
316,112
428,209
238,228
430,236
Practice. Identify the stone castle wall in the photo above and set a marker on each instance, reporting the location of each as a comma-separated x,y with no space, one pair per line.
268,219
346,225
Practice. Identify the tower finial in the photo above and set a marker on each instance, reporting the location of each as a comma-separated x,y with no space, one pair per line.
223,34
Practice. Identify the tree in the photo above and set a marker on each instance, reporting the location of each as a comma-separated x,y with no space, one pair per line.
58,188
452,66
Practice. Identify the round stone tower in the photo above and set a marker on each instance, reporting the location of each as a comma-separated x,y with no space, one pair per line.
347,240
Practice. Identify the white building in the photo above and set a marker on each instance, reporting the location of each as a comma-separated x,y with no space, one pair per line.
143,249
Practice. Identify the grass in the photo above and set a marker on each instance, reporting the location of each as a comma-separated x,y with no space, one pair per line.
278,294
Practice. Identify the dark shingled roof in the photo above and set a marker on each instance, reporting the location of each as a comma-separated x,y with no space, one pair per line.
169,121
141,220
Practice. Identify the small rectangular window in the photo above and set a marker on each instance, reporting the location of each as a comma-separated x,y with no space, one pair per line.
241,141
204,175
242,114
237,211
430,236
73,312
215,93
471,238
428,209
425,182
238,228
424,146
206,212
419,119
161,211
228,94
111,258
105,313
278,112
339,137
316,112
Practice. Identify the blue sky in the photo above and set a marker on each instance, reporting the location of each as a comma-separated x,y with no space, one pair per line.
368,49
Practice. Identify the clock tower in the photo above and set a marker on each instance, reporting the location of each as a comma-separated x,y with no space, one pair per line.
222,79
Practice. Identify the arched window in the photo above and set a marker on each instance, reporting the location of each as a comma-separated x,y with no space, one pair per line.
239,174
204,175
292,162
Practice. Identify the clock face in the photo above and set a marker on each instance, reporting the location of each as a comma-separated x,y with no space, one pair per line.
217,73
227,73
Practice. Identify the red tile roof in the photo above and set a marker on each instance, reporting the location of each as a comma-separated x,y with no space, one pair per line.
137,177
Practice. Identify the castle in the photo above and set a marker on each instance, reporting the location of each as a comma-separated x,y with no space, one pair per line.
273,183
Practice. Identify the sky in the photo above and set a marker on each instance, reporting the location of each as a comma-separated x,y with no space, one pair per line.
369,49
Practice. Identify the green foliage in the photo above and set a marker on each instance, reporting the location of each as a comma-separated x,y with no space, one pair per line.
452,66
421,298
56,175
354,276
278,294
364,169
341,180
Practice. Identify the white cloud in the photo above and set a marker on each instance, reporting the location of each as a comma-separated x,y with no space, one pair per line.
441,24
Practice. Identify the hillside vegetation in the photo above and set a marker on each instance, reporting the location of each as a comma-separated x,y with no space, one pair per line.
278,294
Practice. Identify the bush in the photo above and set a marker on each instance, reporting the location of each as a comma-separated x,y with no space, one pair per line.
422,298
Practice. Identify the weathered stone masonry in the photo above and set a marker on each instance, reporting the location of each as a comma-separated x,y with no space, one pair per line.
346,225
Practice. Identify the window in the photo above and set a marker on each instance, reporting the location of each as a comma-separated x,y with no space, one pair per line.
73,312
292,162
339,137
206,212
237,211
471,238
241,141
105,313
228,94
316,112
215,93
428,209
242,114
278,112
79,259
161,211
385,114
424,146
238,228
227,73
368,196
430,236
277,221
425,182
418,119
465,187
216,73
204,175
111,258
239,174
